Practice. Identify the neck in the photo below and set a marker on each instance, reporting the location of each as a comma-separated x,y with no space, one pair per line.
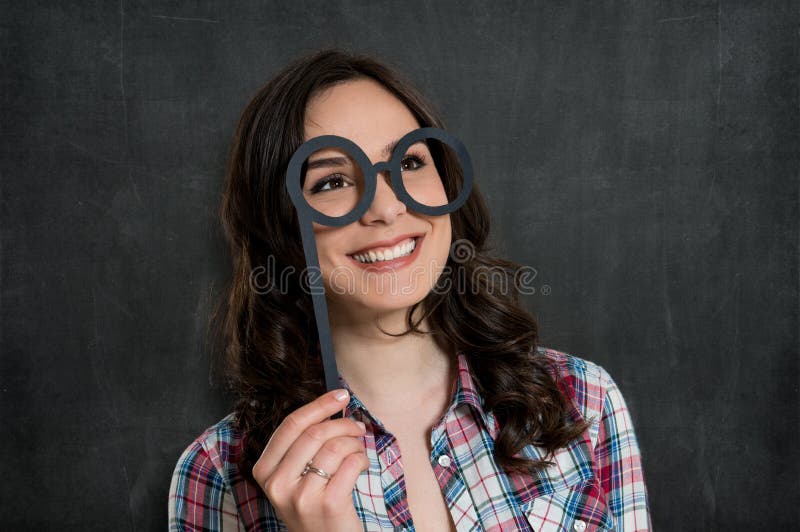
390,375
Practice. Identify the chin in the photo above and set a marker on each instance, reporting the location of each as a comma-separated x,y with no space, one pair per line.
392,297
374,300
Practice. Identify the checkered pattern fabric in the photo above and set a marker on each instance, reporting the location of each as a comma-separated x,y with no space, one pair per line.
596,483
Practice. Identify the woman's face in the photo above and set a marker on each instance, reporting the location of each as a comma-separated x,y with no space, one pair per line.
364,112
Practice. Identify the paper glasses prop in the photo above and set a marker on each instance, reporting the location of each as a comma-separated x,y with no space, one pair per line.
343,205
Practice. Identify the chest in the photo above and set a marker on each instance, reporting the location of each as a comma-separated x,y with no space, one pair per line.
425,499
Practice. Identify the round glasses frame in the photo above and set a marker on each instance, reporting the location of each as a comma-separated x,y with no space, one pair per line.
393,166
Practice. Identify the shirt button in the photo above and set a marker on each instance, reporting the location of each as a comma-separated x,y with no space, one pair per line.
444,460
579,525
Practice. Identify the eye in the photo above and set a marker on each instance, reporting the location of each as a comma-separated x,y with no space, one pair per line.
412,162
330,182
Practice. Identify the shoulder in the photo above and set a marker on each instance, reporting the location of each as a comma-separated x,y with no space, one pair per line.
611,447
585,382
218,446
209,492
202,488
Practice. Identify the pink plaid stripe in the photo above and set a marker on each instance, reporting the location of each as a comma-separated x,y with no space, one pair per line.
596,482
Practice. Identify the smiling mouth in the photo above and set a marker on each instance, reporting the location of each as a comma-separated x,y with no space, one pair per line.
385,254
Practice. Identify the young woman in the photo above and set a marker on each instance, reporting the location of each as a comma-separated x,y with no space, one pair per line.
453,417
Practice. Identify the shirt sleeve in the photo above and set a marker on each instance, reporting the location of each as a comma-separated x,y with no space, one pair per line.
619,462
199,499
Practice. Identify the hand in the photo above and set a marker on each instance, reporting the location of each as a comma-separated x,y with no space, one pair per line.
310,502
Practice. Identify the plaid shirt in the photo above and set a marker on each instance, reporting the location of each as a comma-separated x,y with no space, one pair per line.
596,483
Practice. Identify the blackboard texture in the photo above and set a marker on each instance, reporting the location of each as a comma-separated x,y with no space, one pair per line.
641,156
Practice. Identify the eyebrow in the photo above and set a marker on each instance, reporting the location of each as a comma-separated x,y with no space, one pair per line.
327,162
336,162
389,148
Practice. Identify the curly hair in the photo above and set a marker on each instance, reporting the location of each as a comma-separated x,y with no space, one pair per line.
265,341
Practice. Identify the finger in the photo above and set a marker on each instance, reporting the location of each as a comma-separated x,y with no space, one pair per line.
288,472
339,489
292,426
329,458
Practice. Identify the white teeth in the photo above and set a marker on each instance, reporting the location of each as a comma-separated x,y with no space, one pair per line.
398,251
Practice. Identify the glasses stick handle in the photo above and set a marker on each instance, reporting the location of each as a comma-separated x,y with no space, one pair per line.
320,306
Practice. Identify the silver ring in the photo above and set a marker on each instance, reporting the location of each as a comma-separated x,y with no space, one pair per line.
318,471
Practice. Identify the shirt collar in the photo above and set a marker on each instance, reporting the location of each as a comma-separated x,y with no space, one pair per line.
464,391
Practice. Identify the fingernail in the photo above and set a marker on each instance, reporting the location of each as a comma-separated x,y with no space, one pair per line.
340,395
363,427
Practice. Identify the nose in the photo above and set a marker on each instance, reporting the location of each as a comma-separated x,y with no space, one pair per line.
385,205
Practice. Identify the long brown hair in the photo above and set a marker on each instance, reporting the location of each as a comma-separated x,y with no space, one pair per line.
266,342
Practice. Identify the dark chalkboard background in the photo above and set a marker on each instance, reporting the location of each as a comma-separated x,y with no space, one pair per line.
642,156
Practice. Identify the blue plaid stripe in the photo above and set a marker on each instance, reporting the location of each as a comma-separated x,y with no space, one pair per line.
596,482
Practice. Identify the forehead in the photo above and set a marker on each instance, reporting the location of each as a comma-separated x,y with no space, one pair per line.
360,110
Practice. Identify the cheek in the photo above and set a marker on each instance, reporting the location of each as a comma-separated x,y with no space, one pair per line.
330,244
437,194
426,188
442,239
